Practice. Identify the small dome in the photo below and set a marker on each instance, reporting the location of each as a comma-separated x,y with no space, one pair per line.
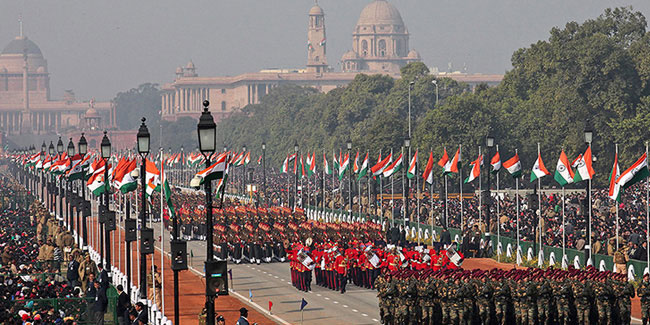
190,65
316,11
91,113
21,45
179,70
380,12
349,55
41,69
413,54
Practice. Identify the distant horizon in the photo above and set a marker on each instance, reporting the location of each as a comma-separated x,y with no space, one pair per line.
100,49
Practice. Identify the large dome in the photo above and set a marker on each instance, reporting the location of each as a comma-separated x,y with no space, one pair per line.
21,44
380,12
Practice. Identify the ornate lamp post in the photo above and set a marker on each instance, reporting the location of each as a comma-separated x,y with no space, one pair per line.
143,141
68,193
106,154
83,149
59,149
207,133
50,186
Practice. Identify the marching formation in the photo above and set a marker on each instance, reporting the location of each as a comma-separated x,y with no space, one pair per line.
517,296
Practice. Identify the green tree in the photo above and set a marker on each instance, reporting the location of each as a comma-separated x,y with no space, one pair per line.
135,103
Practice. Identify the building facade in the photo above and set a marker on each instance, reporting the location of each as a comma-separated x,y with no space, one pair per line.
26,107
380,44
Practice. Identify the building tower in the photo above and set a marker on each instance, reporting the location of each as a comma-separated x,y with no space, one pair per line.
316,41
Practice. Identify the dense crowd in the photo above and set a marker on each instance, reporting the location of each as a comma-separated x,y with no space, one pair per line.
631,211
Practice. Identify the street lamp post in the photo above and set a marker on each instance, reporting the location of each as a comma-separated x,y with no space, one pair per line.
68,197
106,154
83,149
264,170
589,135
59,149
295,196
143,141
207,134
50,185
489,143
349,146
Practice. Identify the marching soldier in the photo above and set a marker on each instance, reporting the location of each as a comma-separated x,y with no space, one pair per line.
502,300
604,294
644,293
624,294
484,300
583,297
544,295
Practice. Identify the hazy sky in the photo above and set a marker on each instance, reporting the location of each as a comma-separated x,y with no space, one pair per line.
98,48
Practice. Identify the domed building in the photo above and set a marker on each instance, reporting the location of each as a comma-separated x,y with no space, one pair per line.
25,103
380,41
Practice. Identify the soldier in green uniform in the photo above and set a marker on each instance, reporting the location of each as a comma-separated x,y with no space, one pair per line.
401,307
624,294
562,292
502,298
484,300
468,292
544,295
603,292
411,298
520,302
454,302
644,293
583,296
382,283
426,293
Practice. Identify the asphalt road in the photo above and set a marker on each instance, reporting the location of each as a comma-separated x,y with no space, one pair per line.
272,282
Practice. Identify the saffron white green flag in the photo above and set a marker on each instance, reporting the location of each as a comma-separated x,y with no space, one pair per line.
513,166
363,170
412,166
563,173
584,171
614,187
539,170
638,171
394,167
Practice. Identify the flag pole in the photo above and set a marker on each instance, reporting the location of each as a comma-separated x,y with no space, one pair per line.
616,203
431,198
460,173
392,199
480,189
589,261
517,209
404,198
564,224
446,203
417,199
162,230
381,196
498,214
647,208
539,206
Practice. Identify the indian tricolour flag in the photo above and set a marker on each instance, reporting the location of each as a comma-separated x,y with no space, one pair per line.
452,165
123,179
326,165
636,172
476,170
445,158
584,171
513,166
311,164
345,164
496,162
614,188
394,167
539,170
355,165
563,173
412,166
381,165
285,163
428,170
363,169
214,171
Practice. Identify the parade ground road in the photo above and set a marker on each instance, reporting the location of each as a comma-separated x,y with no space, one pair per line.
272,282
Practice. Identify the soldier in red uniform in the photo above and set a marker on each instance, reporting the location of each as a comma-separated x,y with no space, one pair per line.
341,265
